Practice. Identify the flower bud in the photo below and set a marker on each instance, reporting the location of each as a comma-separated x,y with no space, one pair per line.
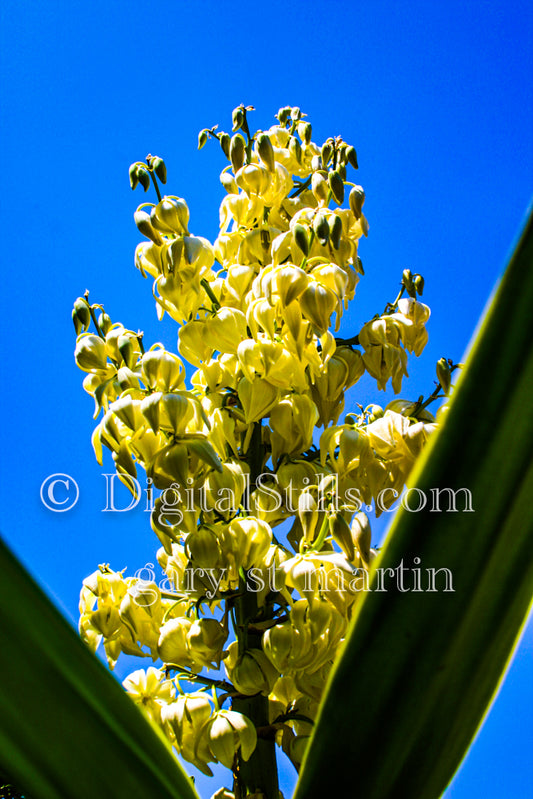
225,142
144,226
228,181
81,315
356,200
351,157
308,514
159,167
126,349
266,151
336,185
444,375
237,118
341,533
252,672
301,238
104,323
407,281
295,149
321,228
143,176
362,535
203,548
319,187
419,284
283,115
237,152
90,352
326,153
134,178
335,230
202,138
305,131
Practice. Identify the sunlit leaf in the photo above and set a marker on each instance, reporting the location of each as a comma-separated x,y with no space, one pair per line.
420,668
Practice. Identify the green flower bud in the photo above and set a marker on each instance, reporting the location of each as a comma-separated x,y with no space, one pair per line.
81,314
295,114
127,351
351,157
159,167
202,138
407,281
300,235
341,533
308,514
335,230
326,153
321,228
356,200
444,375
305,132
237,118
419,284
266,151
143,176
336,185
283,115
78,327
104,323
237,152
134,177
295,149
225,141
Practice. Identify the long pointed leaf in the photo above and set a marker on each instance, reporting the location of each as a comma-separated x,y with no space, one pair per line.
420,669
67,729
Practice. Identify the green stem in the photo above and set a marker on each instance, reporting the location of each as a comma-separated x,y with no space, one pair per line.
156,187
260,771
249,144
192,677
391,306
209,292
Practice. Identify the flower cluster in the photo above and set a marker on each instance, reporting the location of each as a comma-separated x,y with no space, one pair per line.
238,455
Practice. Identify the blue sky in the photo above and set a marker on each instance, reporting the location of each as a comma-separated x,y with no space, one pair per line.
436,98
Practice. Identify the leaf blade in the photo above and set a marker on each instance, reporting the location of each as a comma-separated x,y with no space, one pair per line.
403,723
66,726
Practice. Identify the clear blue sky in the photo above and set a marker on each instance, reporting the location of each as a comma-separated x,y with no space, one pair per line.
435,96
